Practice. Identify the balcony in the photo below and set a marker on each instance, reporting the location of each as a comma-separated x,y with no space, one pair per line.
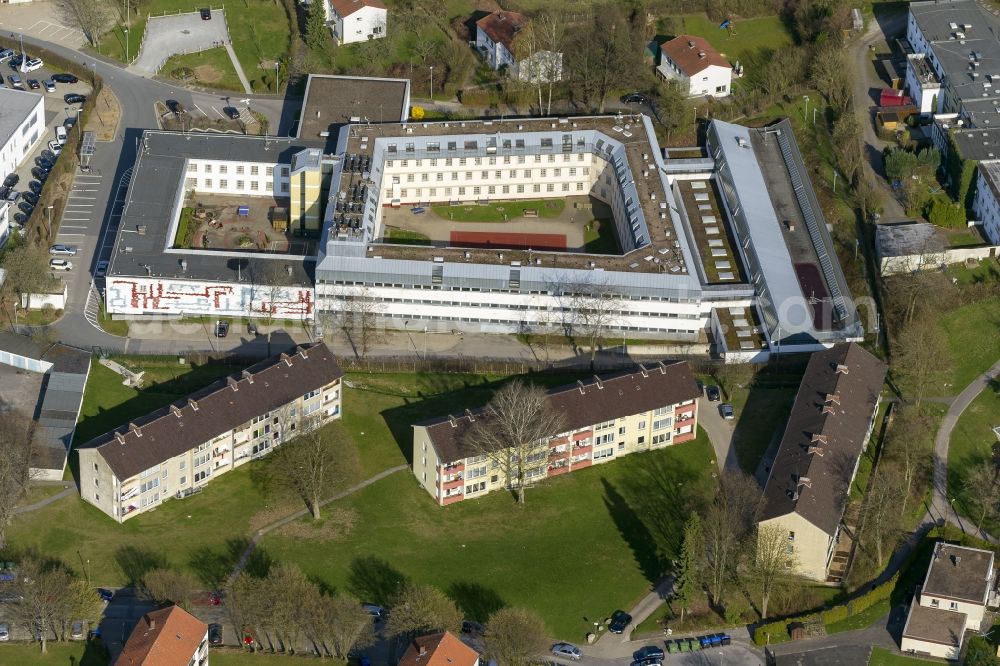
583,449
453,468
451,499
684,420
559,441
580,436
686,437
556,470
456,482
558,455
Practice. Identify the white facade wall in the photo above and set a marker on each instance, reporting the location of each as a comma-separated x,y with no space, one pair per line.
31,129
973,611
4,222
714,80
38,301
364,24
243,178
986,208
175,297
912,645
926,97
495,54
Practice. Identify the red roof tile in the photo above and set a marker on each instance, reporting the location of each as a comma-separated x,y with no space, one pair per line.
165,637
502,27
443,649
686,51
348,7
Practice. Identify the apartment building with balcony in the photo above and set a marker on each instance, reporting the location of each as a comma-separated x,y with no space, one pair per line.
605,418
175,451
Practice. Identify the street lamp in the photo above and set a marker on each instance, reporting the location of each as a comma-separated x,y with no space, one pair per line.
277,67
48,217
432,83
125,30
805,114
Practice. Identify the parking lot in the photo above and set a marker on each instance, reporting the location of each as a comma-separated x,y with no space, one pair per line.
57,113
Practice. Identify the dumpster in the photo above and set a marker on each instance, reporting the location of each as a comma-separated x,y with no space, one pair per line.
243,211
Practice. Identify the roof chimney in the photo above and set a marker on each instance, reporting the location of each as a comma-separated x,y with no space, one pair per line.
284,357
600,384
828,409
833,398
957,559
663,367
690,43
194,404
842,369
451,420
583,390
247,375
701,54
472,417
805,481
818,450
136,429
176,411
642,369
422,649
302,352
120,437
150,621
233,383
818,438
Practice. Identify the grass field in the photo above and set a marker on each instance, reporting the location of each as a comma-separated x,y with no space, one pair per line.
500,211
212,69
602,239
883,657
971,443
76,653
761,419
406,237
751,34
972,351
259,31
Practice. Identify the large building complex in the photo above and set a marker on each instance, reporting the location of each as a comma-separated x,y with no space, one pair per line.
22,126
827,431
729,247
604,418
959,586
174,451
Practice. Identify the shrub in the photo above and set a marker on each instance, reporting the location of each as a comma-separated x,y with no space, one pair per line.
942,212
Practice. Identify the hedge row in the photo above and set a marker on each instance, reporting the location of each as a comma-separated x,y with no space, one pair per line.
51,196
775,632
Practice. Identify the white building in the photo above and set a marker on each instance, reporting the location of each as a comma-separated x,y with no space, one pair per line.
952,600
496,34
986,204
356,20
699,68
22,126
5,214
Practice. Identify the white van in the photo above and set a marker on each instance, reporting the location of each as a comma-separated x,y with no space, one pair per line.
61,135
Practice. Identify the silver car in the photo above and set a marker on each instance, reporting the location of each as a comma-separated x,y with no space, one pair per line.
567,650
4,631
62,250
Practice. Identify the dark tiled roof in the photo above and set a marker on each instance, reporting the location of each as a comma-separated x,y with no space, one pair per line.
172,430
165,637
686,52
622,395
441,649
934,625
960,573
502,27
831,411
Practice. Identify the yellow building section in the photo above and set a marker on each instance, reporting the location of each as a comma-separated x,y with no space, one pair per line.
305,192
808,545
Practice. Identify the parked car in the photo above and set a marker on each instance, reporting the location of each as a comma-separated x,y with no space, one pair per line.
15,61
6,53
15,81
63,265
13,195
567,650
102,268
74,98
40,173
634,98
62,251
35,186
4,631
50,85
26,207
30,197
252,329
619,621
712,393
648,662
374,610
55,147
33,64
21,219
648,652
78,631
64,78
215,633
472,628
727,411
221,329
4,191
206,14
34,84
61,135
11,180
105,595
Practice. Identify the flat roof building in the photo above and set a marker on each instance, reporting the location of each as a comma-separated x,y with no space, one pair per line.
22,126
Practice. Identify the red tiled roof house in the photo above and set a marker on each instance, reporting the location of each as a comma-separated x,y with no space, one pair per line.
699,68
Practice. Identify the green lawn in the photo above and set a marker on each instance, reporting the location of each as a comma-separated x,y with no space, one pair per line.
258,29
987,270
973,349
584,544
883,657
406,237
211,68
971,443
749,34
760,420
500,211
76,653
599,238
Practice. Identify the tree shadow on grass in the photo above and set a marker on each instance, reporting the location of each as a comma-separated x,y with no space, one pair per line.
374,580
135,562
213,567
477,602
634,531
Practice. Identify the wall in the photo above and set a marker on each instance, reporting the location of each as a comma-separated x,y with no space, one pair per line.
29,132
38,301
810,547
168,296
364,24
911,645
986,207
924,95
224,177
98,484
713,80
955,255
973,612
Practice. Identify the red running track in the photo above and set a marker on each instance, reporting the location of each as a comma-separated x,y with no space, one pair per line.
509,241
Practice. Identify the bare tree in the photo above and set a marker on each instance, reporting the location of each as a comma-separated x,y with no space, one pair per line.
908,442
921,358
349,627
79,603
727,523
771,558
512,432
280,595
39,599
980,487
357,317
15,466
880,512
516,637
593,310
91,17
169,585
420,609
308,464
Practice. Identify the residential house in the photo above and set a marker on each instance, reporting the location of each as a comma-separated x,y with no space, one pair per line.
699,68
167,637
496,37
952,600
356,20
441,649
178,449
827,431
605,418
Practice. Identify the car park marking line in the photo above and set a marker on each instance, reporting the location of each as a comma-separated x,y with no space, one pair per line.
221,115
200,109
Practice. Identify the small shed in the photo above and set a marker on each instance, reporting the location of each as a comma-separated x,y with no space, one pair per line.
279,219
243,211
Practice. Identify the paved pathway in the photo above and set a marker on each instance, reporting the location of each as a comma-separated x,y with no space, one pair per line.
302,512
720,433
239,68
65,492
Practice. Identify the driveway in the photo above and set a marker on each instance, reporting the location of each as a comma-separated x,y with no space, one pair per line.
182,33
720,433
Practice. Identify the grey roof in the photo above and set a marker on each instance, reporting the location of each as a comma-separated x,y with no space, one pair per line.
825,436
935,625
908,238
156,185
977,143
959,573
21,345
15,107
334,100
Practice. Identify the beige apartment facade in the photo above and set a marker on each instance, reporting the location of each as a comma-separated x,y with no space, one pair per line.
606,418
175,451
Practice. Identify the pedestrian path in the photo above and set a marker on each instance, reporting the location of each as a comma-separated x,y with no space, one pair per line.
239,69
